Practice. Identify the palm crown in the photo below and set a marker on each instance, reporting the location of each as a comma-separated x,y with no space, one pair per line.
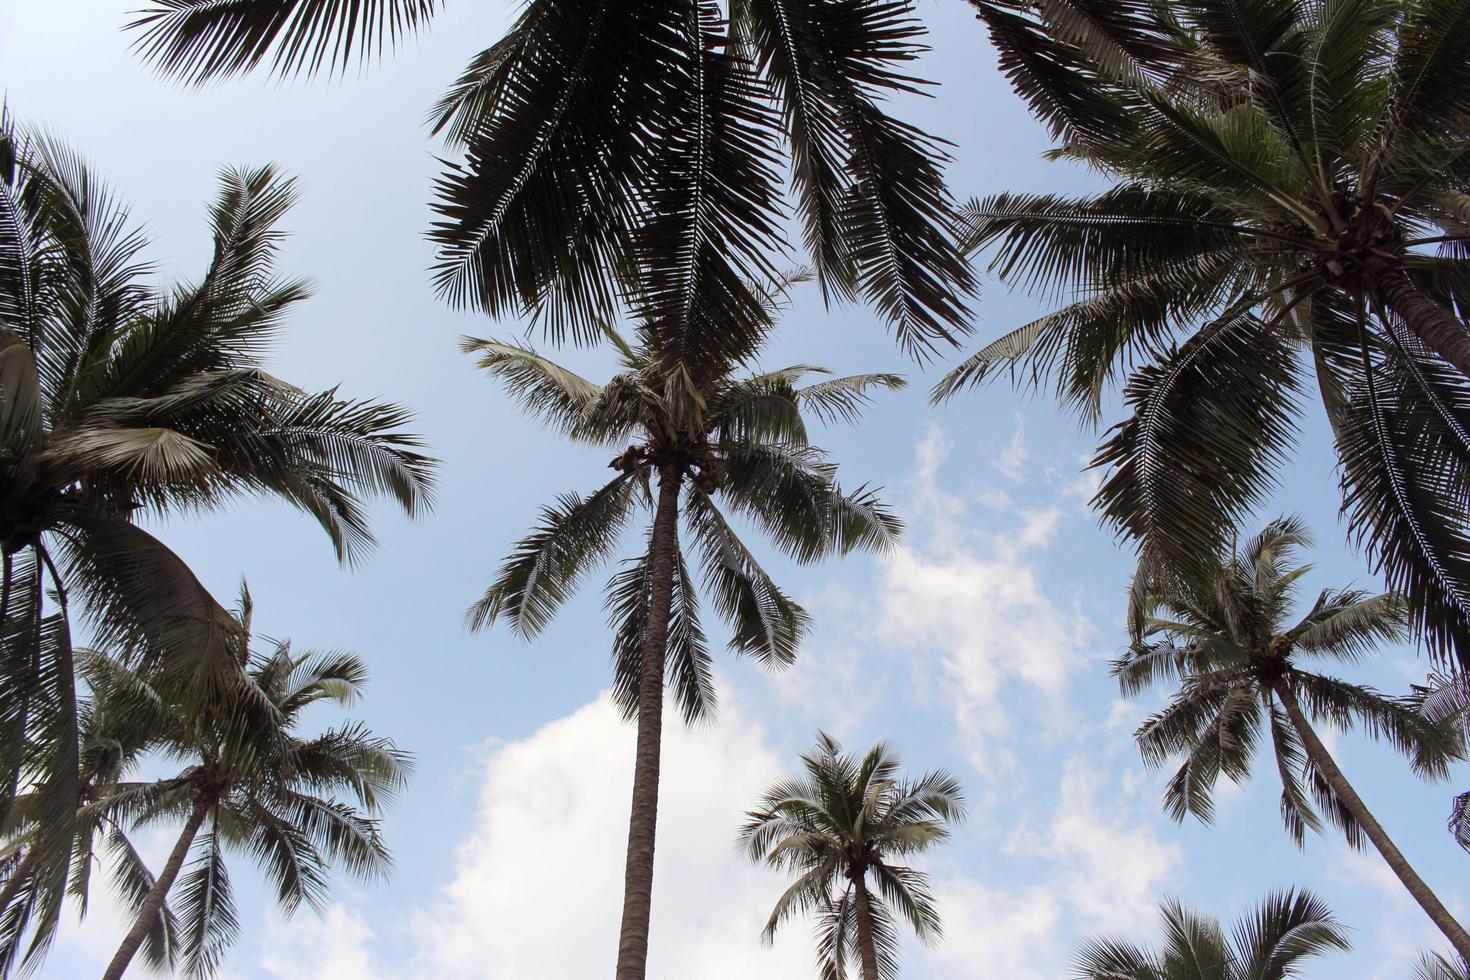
847,819
253,783
726,439
1228,641
1292,190
1225,635
1269,944
606,144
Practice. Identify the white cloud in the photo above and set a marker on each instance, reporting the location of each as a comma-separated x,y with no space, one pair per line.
974,601
332,947
1011,463
538,892
992,932
1109,862
1096,866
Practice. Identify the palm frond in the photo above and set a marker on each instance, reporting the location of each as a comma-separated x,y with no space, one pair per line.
198,41
1203,441
687,664
205,906
885,229
1284,928
572,537
765,623
546,390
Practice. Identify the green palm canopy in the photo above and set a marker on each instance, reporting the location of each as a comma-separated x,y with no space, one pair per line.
1289,218
1268,944
847,820
1244,685
123,400
601,139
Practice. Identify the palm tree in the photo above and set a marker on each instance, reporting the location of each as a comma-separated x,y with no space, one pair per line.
1291,190
1447,700
599,138
121,399
847,819
115,732
694,435
252,783
1268,944
1225,636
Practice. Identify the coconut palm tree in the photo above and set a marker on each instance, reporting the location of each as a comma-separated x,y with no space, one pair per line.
600,138
846,820
689,439
1227,639
1268,944
1290,201
122,399
115,730
252,783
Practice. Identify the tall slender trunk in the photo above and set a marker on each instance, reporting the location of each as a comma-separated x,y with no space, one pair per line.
867,951
153,901
1442,333
1344,791
643,822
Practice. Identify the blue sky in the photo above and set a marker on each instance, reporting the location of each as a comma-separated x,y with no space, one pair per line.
981,646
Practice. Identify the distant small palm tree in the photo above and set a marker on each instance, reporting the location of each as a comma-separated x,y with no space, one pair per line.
1225,636
850,819
255,785
1267,944
696,439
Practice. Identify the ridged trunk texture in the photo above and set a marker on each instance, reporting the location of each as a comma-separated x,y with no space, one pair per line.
153,902
1442,333
863,908
1395,859
643,821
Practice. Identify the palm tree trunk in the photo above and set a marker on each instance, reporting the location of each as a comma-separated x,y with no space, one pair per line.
643,822
864,911
1344,791
153,902
1442,333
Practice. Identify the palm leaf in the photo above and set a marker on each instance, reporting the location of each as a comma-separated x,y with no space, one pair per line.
573,536
201,40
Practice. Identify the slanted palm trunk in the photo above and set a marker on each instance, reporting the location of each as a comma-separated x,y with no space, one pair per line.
1441,332
643,823
1344,791
864,911
153,902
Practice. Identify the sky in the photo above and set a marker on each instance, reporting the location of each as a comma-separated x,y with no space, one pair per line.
979,646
